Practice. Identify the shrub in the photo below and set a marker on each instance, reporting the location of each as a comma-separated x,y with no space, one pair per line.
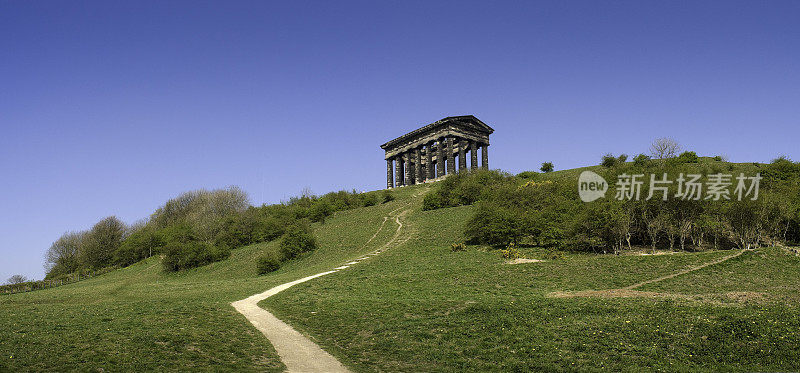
718,158
547,167
321,210
179,256
688,157
527,174
458,247
641,160
510,252
369,199
267,263
388,196
609,160
298,239
622,158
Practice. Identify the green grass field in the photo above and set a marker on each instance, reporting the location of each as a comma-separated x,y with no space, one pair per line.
420,307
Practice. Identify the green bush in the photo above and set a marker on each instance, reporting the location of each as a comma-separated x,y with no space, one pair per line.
267,263
179,256
388,196
298,239
369,199
547,167
622,158
510,252
641,160
688,157
609,160
718,158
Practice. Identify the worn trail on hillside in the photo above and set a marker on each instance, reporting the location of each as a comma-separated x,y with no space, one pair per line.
297,352
630,290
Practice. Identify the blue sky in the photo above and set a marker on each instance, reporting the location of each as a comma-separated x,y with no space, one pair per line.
112,107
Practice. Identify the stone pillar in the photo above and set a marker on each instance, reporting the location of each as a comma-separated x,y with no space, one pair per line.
430,167
398,170
409,168
420,175
451,160
473,154
462,155
389,174
440,158
485,156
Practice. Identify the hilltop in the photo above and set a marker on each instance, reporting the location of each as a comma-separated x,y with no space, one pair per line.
421,306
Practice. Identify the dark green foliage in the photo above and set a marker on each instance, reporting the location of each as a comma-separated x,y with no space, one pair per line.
622,158
321,210
298,239
179,256
463,188
101,243
140,244
370,199
388,196
268,263
547,167
718,158
549,214
641,160
688,157
609,160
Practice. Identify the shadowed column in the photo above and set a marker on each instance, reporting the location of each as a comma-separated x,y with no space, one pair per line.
462,155
389,174
440,158
485,156
409,168
430,167
451,164
398,170
420,175
473,154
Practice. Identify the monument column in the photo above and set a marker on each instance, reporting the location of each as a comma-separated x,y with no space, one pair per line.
409,168
398,170
420,175
485,156
440,158
451,160
473,153
389,174
462,155
429,166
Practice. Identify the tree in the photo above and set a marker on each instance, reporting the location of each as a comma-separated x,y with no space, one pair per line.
17,279
62,256
609,160
102,243
664,148
547,167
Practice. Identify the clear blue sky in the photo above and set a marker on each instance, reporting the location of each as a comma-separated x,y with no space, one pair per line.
112,107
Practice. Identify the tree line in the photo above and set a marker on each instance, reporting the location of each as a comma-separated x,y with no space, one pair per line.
197,228
545,209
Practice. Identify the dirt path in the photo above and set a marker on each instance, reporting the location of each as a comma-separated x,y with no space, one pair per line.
629,291
297,352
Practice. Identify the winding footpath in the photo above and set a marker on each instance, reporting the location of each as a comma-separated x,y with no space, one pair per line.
295,350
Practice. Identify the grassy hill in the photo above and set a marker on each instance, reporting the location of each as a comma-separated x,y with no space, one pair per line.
420,307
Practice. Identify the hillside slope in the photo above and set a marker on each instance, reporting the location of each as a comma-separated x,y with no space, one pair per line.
420,307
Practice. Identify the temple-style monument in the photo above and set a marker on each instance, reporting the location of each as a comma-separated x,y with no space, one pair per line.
429,153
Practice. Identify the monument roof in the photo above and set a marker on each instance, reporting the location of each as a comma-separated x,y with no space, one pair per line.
467,121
